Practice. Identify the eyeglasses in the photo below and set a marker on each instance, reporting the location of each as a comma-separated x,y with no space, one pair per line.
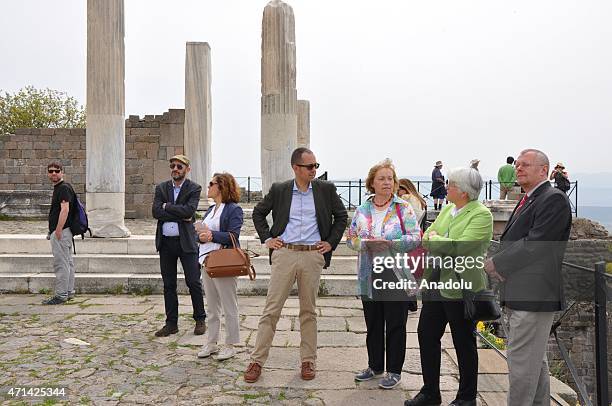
310,167
54,170
211,183
177,166
525,165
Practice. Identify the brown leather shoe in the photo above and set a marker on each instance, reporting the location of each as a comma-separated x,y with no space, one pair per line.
166,330
308,370
252,372
200,327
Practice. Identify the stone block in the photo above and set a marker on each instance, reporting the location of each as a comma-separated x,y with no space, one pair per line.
62,131
27,154
24,145
40,153
171,135
77,131
14,153
10,145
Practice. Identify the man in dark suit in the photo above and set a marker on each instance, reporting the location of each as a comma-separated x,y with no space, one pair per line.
529,264
308,222
174,207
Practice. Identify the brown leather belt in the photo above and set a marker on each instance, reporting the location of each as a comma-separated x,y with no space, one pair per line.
301,247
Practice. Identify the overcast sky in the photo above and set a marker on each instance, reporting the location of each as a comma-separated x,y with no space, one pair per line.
415,81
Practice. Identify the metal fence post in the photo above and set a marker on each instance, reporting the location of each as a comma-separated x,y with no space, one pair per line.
576,197
601,334
360,192
249,189
349,195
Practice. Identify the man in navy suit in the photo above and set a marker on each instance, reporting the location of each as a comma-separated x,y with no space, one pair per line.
174,207
529,264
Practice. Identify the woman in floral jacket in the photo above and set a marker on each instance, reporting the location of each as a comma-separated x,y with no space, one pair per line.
382,227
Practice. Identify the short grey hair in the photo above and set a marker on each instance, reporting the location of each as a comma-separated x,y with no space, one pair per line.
467,180
541,157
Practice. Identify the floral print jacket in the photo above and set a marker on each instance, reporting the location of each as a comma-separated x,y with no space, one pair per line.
361,228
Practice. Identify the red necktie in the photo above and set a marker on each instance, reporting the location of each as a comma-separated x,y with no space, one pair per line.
523,200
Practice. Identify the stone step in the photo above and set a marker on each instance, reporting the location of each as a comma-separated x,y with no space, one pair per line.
137,264
134,245
36,282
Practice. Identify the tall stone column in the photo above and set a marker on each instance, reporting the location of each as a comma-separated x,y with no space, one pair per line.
105,139
303,123
198,112
278,93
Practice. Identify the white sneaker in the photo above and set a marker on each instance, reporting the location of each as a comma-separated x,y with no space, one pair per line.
226,353
207,350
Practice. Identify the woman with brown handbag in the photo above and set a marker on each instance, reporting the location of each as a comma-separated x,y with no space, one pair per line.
222,221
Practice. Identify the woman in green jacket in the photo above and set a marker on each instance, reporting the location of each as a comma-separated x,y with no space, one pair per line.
457,243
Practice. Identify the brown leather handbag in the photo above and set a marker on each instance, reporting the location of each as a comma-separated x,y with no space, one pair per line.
229,262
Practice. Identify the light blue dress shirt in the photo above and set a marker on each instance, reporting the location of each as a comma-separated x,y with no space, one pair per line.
170,229
302,227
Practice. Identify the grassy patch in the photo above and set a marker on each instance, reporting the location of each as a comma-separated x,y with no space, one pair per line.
145,290
85,400
44,291
172,345
248,396
115,290
282,396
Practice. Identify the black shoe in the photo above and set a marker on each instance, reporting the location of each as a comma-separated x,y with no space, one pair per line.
54,300
200,328
422,399
166,330
459,402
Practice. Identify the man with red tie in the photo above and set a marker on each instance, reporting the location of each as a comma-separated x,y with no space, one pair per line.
529,264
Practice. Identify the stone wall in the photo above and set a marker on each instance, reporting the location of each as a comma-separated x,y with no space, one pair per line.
24,156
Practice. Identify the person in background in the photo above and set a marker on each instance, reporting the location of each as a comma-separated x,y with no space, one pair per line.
506,176
438,186
384,226
60,236
221,219
463,231
561,177
409,193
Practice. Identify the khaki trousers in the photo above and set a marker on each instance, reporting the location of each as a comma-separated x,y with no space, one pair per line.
503,192
287,267
527,362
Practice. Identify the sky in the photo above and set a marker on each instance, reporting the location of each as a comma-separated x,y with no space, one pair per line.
415,81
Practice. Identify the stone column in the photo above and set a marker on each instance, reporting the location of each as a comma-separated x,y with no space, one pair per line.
198,112
278,93
303,123
105,136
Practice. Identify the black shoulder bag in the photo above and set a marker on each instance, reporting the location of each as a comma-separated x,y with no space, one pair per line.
479,306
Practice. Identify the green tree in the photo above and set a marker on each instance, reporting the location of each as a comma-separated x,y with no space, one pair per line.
39,108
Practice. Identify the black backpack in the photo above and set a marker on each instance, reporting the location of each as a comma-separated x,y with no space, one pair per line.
561,182
79,223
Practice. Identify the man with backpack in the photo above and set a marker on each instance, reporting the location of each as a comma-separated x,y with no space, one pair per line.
60,236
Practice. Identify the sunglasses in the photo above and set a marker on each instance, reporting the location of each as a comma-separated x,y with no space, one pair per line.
210,184
310,167
177,166
54,170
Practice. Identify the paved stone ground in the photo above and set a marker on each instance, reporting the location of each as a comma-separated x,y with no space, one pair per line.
125,364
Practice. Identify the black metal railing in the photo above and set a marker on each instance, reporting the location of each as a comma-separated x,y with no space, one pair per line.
353,192
601,295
